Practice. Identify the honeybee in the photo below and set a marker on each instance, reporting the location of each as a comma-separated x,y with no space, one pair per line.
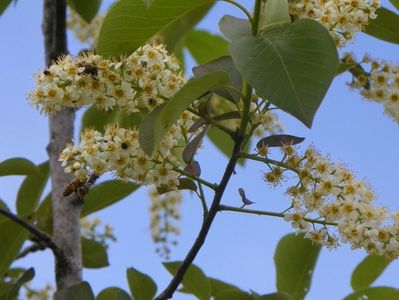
47,72
73,187
89,69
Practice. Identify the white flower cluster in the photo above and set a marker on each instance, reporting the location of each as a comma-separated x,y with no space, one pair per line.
84,31
328,194
142,80
379,82
343,18
165,212
118,151
90,230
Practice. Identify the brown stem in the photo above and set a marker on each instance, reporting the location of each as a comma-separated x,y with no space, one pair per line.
43,237
65,211
188,260
31,249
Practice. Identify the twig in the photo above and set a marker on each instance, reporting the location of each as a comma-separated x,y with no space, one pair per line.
31,249
201,195
269,213
43,237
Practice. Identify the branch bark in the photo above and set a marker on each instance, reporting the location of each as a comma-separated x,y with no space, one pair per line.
65,211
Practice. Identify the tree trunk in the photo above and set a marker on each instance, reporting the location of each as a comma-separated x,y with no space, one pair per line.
65,211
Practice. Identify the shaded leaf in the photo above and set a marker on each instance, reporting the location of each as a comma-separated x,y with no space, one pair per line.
12,238
192,146
142,287
4,206
194,282
227,116
94,254
279,140
292,65
375,293
87,9
273,12
197,125
106,194
385,26
113,293
31,190
225,64
368,271
76,292
44,220
11,290
295,259
342,67
155,125
234,294
17,166
193,168
234,28
274,296
205,46
130,23
184,184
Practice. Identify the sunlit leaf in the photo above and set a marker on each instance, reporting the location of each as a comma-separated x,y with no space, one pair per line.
94,254
31,190
368,271
106,194
113,293
295,260
155,125
218,286
375,293
194,282
205,46
292,65
385,26
87,9
17,166
76,292
142,287
130,23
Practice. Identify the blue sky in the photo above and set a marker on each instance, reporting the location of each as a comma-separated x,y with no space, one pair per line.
239,248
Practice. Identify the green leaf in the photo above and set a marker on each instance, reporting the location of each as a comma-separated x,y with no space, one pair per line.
295,260
194,282
234,294
130,23
106,194
205,46
43,215
4,206
385,26
234,28
218,286
76,292
273,12
224,63
17,166
87,9
274,296
142,287
292,65
174,35
113,293
375,293
11,290
94,254
12,237
368,271
395,3
3,5
31,190
156,124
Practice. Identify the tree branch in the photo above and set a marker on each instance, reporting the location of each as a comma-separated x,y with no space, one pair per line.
43,237
31,249
178,277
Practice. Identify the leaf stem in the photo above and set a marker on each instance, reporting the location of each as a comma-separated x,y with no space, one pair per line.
242,8
267,161
212,186
213,122
256,17
203,200
269,213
